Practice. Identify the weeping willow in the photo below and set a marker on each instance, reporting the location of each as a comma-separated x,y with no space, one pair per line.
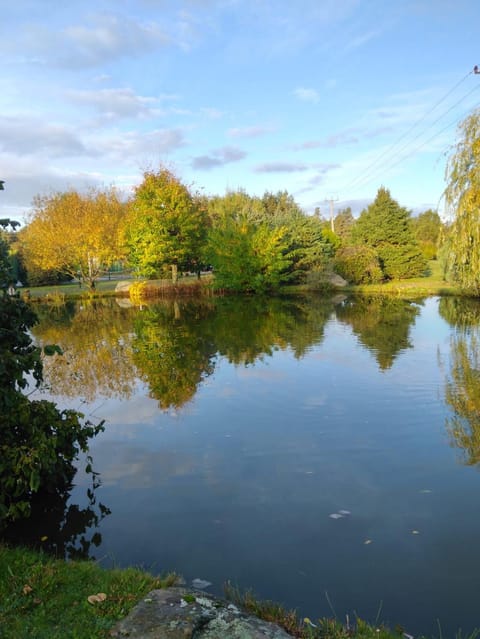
462,197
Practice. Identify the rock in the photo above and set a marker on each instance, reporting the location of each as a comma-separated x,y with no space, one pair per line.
177,613
123,286
337,280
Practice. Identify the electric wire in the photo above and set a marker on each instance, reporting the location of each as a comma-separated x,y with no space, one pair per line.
367,176
391,148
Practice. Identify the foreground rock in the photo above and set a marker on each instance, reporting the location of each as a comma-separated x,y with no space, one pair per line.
177,613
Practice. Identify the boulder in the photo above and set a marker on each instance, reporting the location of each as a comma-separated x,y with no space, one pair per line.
178,613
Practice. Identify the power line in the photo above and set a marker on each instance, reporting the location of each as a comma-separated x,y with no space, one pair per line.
390,149
368,176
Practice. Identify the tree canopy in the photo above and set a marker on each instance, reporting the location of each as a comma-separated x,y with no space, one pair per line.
78,234
166,225
462,196
385,226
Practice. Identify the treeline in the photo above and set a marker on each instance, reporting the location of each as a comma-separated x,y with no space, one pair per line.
252,244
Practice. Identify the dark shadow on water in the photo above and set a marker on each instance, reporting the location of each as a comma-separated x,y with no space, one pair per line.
65,530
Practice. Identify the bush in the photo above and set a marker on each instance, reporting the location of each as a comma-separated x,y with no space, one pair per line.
358,265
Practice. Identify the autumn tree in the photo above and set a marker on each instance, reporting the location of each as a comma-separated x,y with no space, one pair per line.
78,234
385,227
166,226
462,197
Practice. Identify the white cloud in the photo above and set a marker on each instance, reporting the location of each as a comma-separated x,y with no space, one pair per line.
107,37
26,135
248,131
281,167
136,143
116,103
307,95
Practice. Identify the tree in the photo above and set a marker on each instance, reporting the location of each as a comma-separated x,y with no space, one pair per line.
426,229
38,442
165,226
462,196
343,223
247,256
74,233
385,227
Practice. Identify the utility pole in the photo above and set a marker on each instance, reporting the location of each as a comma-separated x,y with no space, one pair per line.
331,200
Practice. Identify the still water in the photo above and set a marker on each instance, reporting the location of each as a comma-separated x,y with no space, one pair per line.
321,452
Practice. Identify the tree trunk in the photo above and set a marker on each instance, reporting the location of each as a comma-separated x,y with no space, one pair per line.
174,273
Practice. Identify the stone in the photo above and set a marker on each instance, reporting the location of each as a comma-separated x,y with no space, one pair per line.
123,286
178,613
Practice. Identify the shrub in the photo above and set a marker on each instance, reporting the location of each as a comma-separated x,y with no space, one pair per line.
358,264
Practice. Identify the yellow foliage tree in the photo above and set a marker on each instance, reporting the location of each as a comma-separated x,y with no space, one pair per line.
75,233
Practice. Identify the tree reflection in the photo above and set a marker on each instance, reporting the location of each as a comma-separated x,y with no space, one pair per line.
249,329
382,325
95,336
171,345
64,530
172,352
462,390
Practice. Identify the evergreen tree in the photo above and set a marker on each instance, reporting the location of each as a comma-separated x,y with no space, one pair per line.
385,227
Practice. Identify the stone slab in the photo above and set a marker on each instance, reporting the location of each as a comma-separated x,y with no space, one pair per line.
178,613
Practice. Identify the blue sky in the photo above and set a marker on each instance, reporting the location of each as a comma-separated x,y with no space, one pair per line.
323,98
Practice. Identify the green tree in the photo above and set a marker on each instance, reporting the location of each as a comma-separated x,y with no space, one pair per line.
246,256
462,197
166,226
344,223
426,229
38,442
385,227
358,264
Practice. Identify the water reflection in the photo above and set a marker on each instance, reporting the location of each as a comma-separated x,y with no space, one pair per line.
96,339
170,346
61,528
462,390
382,325
173,346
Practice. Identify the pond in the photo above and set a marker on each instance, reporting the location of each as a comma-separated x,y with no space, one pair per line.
322,452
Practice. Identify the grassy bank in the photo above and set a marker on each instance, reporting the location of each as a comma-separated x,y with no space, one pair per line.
45,598
433,284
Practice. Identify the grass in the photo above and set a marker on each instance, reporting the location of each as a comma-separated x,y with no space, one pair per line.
46,598
325,628
189,285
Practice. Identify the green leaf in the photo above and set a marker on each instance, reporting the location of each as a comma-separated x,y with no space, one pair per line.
51,349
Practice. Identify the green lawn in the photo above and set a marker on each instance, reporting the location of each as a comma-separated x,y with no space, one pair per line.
46,598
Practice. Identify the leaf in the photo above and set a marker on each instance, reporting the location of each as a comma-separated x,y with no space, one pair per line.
51,349
98,598
27,589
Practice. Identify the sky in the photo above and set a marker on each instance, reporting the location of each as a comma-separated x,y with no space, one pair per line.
326,99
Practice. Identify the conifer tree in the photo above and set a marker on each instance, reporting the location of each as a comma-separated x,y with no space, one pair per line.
385,227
